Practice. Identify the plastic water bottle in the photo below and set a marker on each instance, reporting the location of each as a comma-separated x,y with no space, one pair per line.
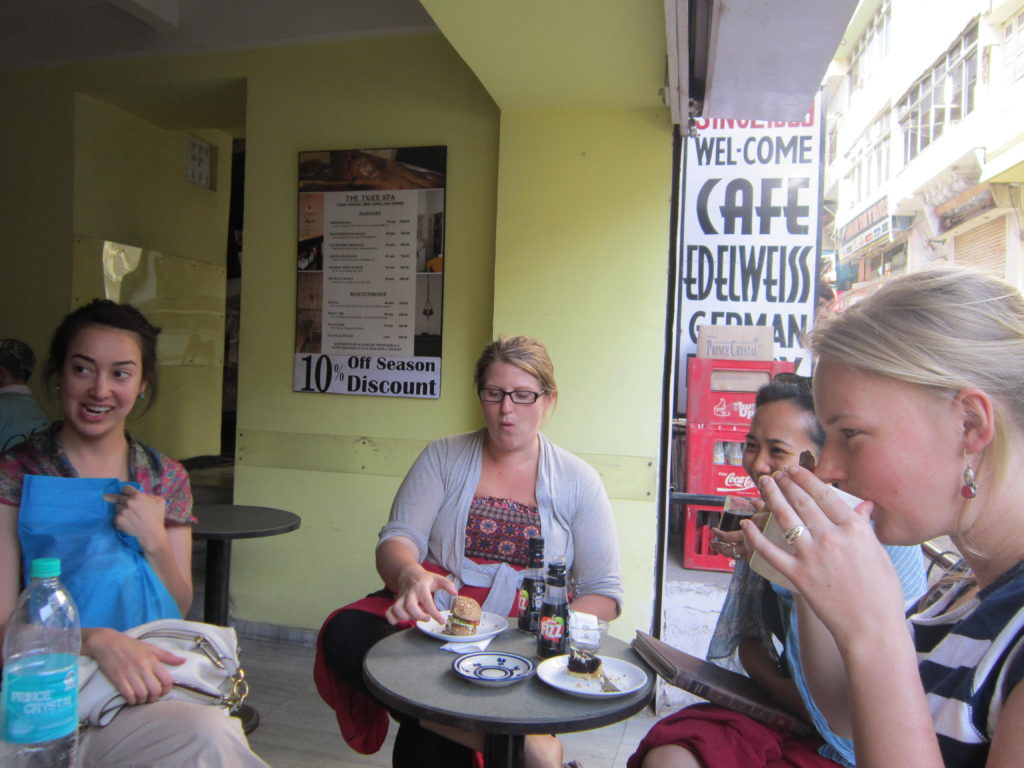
40,682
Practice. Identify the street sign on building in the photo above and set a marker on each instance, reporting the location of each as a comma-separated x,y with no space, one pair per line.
749,238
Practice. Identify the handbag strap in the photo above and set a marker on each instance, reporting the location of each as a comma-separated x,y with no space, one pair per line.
239,689
201,641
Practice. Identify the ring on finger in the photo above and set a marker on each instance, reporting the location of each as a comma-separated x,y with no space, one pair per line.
794,533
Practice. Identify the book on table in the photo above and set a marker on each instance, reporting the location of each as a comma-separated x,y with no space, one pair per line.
716,684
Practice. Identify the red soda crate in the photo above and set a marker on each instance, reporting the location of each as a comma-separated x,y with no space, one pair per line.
721,392
697,551
707,472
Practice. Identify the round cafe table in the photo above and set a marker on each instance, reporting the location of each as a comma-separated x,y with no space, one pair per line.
219,525
408,672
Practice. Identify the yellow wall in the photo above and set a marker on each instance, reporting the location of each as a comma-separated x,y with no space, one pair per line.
576,200
337,459
37,140
131,188
582,253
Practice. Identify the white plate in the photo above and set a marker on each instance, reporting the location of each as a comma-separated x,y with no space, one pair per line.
491,624
493,668
625,676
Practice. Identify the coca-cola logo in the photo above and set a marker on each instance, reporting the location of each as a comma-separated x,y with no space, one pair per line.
552,628
737,481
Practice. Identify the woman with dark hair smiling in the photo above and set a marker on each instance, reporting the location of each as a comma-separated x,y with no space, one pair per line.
103,362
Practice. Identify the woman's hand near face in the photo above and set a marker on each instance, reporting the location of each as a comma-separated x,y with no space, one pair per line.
730,543
837,563
733,543
137,669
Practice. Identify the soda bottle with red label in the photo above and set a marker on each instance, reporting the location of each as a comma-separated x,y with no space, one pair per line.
553,634
531,591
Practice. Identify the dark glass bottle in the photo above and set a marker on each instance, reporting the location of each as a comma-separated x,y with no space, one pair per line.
553,628
531,591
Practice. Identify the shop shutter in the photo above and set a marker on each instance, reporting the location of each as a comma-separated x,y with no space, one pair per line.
983,247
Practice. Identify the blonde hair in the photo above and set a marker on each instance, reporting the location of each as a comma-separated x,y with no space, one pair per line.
945,328
524,352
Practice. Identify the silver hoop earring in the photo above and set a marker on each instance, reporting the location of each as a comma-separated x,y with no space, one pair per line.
970,487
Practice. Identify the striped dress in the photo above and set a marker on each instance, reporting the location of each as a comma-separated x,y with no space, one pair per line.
970,658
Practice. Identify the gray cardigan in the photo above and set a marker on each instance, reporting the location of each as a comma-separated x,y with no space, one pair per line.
432,505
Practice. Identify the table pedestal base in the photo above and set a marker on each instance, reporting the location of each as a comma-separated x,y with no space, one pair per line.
504,750
250,718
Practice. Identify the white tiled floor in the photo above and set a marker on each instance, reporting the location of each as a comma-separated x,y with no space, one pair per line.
297,730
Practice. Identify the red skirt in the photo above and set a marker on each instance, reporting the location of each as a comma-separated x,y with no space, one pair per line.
362,721
722,738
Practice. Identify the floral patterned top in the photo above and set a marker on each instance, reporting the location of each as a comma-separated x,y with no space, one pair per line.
43,454
499,530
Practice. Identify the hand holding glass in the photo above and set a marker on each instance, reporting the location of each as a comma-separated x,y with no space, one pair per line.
736,508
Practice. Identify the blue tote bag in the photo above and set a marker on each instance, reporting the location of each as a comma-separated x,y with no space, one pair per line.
104,569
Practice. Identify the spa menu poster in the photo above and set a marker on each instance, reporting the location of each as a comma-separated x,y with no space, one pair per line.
370,272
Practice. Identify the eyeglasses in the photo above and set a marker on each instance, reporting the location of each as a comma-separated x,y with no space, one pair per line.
517,396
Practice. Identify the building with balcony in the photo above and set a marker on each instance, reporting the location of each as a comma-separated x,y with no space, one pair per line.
925,139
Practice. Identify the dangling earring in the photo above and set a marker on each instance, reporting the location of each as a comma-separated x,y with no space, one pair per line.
970,487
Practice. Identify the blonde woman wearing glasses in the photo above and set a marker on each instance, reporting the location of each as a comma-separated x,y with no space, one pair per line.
460,524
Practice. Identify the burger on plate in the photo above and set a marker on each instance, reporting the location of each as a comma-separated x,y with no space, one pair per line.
464,617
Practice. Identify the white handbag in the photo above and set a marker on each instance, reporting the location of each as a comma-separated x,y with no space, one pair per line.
210,675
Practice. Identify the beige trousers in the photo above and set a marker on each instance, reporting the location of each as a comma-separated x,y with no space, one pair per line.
168,734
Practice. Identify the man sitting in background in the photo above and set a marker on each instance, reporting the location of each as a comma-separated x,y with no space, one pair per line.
20,414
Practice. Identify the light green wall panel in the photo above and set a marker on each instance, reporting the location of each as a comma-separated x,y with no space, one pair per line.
636,531
130,184
297,578
130,188
36,155
581,263
624,477
582,258
363,94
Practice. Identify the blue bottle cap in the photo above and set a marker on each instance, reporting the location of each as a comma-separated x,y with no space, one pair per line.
45,568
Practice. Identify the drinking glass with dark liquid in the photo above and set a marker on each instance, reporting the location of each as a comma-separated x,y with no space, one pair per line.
736,508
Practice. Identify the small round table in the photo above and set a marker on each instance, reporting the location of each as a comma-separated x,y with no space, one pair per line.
219,525
408,672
